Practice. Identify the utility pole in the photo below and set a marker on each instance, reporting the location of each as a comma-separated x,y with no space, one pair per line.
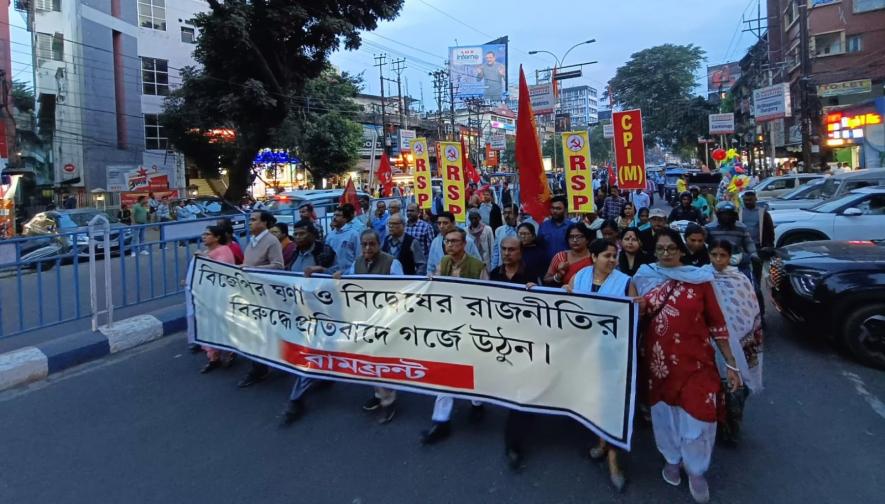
452,105
398,67
380,62
804,77
439,82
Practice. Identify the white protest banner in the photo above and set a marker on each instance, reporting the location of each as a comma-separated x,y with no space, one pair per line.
541,350
721,124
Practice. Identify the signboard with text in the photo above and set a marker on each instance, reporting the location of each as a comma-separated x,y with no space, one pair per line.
405,138
542,351
629,149
423,189
721,124
772,102
578,173
543,101
859,86
451,162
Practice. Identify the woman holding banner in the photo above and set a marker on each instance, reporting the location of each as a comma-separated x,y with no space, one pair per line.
683,321
215,241
603,278
567,263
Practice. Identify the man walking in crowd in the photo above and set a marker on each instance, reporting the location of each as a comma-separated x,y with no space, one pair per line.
344,237
457,263
163,210
482,236
311,256
684,211
695,241
658,220
139,218
613,206
761,229
446,222
420,229
727,227
404,247
373,261
552,230
489,212
262,251
700,203
379,220
641,200
508,229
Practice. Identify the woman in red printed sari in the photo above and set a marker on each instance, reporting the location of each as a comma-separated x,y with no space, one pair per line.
681,379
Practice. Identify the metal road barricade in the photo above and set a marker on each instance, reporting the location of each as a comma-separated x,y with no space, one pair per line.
100,220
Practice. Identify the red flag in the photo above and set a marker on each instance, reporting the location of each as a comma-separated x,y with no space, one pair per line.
385,176
470,172
612,176
534,190
349,196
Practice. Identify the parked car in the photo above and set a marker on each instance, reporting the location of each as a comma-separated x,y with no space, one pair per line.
842,183
858,215
838,288
797,198
709,181
776,186
63,232
285,205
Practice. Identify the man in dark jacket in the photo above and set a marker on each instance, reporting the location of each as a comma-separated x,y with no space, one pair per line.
761,229
490,211
685,211
404,247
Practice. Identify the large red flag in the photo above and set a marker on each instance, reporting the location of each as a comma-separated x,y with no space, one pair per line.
349,196
469,170
385,176
533,188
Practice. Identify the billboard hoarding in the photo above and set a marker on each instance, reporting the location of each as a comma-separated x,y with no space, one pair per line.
479,71
629,149
721,78
772,102
721,124
543,102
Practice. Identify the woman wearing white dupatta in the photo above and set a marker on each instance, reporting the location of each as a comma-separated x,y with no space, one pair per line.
603,278
739,303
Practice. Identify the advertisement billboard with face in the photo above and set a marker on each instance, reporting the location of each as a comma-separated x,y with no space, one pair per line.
479,71
720,78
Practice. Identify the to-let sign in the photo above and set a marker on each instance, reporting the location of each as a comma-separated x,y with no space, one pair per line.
578,173
629,149
423,190
452,161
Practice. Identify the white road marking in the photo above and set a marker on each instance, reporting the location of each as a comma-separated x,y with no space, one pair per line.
861,388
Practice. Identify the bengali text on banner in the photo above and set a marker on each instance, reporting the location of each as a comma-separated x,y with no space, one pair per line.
540,350
578,173
451,168
423,189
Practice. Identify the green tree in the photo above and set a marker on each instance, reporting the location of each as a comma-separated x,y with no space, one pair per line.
600,147
23,96
554,142
659,81
256,58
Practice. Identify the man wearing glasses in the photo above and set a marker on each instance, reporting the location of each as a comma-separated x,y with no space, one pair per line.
457,263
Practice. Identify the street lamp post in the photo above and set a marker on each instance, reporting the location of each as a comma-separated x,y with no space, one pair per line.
559,64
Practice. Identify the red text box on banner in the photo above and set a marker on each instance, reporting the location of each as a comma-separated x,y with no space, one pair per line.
578,173
629,149
423,189
452,162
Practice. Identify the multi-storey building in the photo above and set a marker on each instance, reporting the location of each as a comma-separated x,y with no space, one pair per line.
845,73
101,71
581,104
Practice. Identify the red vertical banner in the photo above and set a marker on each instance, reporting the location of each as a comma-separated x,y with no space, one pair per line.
629,149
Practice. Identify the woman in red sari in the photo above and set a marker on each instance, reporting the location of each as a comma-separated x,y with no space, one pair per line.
681,379
569,262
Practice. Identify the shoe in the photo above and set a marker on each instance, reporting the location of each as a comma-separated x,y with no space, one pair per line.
597,452
514,459
671,474
144,252
699,489
372,404
293,412
619,481
477,413
387,414
212,364
252,379
437,432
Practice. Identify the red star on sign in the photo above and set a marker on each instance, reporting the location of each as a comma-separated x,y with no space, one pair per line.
142,172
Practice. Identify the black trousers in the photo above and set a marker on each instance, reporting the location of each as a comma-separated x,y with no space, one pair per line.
517,429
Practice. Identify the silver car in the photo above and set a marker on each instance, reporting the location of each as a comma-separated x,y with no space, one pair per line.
773,187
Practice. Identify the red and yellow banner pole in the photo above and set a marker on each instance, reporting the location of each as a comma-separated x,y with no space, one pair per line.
423,189
451,162
629,149
578,173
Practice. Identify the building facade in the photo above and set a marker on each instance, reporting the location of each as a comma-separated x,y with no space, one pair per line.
843,101
102,69
581,104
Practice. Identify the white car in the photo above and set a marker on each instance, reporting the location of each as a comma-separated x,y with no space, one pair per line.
804,196
775,186
858,215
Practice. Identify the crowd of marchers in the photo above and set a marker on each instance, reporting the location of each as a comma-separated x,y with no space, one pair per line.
701,329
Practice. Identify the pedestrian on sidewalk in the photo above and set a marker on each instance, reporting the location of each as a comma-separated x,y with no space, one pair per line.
215,242
373,261
263,251
140,219
458,264
311,256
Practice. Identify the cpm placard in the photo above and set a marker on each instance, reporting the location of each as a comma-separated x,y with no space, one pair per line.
629,149
452,161
578,174
423,189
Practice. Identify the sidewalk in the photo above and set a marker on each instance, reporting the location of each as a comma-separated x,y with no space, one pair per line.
33,356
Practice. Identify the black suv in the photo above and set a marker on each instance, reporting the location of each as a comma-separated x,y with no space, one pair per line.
838,288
